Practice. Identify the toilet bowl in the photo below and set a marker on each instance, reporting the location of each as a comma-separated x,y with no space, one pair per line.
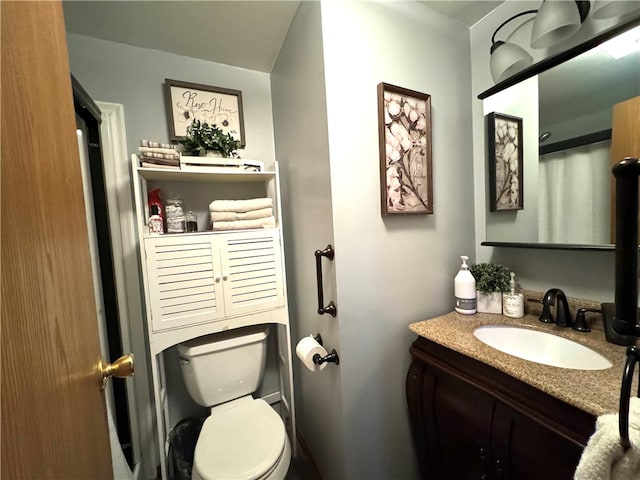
243,438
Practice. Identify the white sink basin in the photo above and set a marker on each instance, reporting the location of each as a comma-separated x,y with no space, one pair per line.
541,347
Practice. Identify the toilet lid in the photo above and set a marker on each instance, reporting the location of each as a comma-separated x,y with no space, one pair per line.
240,443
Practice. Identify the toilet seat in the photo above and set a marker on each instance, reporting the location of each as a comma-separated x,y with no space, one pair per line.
241,440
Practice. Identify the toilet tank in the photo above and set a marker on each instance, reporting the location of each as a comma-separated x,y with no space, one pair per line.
223,366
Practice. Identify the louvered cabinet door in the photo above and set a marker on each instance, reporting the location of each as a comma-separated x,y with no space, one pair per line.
185,281
252,271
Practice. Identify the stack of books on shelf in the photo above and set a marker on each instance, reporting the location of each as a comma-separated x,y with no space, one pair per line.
158,155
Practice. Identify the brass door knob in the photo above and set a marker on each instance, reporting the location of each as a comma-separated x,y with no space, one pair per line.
121,368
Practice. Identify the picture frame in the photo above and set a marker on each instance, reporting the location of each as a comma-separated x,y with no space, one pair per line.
219,106
404,131
506,167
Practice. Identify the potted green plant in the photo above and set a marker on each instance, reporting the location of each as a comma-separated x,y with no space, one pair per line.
491,280
202,138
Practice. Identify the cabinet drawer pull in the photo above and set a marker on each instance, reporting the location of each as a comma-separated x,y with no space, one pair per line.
498,470
483,462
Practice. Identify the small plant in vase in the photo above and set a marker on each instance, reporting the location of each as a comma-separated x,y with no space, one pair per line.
202,138
491,280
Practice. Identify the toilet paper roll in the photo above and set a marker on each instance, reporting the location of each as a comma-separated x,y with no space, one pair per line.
306,349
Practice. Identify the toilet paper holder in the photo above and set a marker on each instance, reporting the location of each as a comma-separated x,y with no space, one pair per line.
329,358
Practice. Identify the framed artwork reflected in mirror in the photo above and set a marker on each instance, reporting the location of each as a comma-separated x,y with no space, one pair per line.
504,141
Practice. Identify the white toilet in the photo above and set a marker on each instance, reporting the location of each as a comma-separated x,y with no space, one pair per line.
243,438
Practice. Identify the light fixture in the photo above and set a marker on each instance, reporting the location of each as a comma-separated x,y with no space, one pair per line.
556,21
613,8
508,58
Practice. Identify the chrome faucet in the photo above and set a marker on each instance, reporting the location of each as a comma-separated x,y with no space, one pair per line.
555,296
621,319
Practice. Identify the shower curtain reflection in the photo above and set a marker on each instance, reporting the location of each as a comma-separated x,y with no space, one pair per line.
574,195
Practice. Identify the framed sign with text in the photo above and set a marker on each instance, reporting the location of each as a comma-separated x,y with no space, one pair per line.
213,105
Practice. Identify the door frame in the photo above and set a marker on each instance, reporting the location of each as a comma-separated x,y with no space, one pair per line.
127,278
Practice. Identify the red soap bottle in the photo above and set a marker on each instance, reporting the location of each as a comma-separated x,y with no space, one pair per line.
154,200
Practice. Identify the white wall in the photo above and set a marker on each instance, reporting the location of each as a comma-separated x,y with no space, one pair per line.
521,101
396,270
390,271
134,77
577,126
300,119
587,275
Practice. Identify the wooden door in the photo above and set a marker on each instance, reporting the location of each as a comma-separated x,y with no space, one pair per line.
461,416
525,449
625,142
53,414
451,420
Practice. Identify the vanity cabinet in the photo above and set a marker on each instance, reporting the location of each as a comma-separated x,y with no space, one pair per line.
471,421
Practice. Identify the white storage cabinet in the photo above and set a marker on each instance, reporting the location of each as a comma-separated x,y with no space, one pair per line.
206,282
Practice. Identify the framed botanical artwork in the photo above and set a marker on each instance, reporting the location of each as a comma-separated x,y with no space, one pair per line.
213,105
506,172
404,129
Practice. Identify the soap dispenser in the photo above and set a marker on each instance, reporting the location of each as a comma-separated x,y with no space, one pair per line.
465,289
513,302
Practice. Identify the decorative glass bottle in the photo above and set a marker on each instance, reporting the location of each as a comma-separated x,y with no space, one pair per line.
176,215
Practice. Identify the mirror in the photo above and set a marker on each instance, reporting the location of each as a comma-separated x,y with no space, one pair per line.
567,112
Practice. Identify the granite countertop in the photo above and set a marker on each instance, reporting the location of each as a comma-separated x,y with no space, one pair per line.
594,391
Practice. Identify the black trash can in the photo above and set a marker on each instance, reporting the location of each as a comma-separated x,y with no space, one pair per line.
182,446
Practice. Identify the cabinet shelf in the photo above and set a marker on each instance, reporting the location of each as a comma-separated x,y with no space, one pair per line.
199,188
206,232
162,174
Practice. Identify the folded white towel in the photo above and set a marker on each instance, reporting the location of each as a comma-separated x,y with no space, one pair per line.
232,216
240,205
269,222
604,458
